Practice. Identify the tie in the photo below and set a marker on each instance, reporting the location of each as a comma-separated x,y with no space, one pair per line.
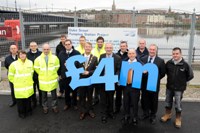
68,54
130,75
46,59
150,60
87,60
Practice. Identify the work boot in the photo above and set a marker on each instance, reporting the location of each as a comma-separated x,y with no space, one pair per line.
178,120
167,116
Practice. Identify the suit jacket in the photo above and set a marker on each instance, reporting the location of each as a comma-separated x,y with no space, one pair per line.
160,63
63,57
91,66
117,63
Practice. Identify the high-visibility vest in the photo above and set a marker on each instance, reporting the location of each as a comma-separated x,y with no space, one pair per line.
21,75
80,49
47,73
97,52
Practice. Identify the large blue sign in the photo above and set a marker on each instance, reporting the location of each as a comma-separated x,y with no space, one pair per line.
139,69
109,78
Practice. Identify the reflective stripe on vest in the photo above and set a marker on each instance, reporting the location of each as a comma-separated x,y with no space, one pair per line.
23,89
48,82
23,75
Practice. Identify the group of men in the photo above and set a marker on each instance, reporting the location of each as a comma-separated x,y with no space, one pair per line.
49,67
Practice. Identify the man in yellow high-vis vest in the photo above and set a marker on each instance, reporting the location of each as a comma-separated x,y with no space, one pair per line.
46,66
80,47
98,49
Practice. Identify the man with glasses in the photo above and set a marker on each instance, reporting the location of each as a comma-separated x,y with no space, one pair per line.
63,56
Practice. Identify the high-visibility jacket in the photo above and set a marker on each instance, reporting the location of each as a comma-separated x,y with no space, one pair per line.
47,73
21,75
80,49
97,52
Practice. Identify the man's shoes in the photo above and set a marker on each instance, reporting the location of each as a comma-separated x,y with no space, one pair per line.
135,121
29,113
117,111
125,120
12,104
153,121
95,102
22,116
111,115
45,111
75,107
55,110
82,116
103,119
92,115
66,107
144,116
34,104
60,95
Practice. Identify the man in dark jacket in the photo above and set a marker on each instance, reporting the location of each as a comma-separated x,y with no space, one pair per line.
142,51
123,53
87,91
63,56
131,95
106,97
9,59
179,73
32,55
149,98
60,47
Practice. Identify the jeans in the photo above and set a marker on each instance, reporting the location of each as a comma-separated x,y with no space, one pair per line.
169,99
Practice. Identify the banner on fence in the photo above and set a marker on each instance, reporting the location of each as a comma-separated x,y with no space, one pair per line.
112,35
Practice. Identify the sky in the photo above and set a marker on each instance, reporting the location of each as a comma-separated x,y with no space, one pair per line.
182,5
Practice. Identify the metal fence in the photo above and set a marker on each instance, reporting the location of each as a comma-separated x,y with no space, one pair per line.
167,29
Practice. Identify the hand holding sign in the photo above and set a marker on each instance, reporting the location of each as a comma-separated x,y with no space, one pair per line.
104,73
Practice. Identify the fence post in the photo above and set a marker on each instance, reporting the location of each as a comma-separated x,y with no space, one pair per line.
75,19
21,19
191,42
193,54
133,18
0,70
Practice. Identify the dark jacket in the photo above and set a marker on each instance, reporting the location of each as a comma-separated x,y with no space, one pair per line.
9,59
59,48
92,64
117,63
159,62
178,75
32,56
123,56
140,54
63,57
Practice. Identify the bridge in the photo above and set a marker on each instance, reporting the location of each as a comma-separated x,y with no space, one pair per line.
37,18
38,26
